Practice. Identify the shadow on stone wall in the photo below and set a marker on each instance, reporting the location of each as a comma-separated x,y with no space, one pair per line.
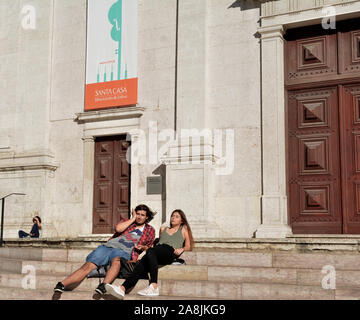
245,4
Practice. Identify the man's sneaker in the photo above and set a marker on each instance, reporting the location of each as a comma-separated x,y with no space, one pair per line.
114,291
149,291
101,288
59,287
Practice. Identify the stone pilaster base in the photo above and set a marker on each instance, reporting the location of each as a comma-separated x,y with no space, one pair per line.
273,231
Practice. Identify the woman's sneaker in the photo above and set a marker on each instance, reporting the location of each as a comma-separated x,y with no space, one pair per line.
59,287
114,291
149,291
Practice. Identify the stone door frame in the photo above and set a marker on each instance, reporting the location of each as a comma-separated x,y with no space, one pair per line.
111,122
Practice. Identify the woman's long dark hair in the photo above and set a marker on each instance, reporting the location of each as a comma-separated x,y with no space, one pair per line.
184,222
38,219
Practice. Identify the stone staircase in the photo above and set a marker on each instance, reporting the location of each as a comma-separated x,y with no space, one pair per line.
262,272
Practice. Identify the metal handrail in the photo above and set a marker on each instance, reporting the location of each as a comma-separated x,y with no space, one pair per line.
2,213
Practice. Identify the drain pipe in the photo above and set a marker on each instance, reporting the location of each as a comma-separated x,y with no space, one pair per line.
261,123
2,214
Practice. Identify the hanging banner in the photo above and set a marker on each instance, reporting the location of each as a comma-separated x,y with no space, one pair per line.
111,58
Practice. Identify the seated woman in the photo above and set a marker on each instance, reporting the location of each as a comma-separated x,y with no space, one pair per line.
172,243
34,233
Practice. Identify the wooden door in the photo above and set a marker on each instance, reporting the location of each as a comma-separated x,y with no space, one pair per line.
111,183
350,155
313,160
322,76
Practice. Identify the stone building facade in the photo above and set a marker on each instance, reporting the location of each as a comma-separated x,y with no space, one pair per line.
213,66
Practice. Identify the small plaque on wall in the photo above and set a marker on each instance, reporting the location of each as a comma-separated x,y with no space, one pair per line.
154,185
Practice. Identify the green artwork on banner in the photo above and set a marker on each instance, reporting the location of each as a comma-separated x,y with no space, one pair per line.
115,18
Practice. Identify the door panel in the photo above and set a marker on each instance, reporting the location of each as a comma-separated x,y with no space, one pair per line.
121,181
309,59
349,52
314,175
103,187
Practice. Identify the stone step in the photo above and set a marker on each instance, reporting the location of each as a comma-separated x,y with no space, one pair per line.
192,258
344,279
294,243
48,282
196,290
22,294
276,259
256,291
45,254
246,283
188,272
295,276
41,267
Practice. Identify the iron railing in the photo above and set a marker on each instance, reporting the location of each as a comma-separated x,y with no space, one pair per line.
2,213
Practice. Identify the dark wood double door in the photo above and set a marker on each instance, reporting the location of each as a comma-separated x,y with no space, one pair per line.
323,125
111,183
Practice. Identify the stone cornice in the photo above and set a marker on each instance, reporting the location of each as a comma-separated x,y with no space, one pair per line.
271,32
280,7
297,13
110,114
11,161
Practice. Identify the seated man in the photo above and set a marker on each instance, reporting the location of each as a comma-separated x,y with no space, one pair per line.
131,238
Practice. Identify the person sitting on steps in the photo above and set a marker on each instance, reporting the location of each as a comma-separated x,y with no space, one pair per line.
34,233
131,238
172,243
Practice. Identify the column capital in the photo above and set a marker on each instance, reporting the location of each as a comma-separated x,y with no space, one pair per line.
272,32
88,139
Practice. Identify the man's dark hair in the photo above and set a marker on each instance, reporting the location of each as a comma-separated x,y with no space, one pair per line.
149,214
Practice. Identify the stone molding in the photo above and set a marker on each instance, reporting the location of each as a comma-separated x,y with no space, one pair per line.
297,13
37,160
182,151
279,7
110,114
272,32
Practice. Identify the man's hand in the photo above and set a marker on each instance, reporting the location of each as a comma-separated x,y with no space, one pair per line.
179,251
141,247
124,224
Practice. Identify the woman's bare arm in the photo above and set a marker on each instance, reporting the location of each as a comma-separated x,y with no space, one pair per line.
187,246
162,228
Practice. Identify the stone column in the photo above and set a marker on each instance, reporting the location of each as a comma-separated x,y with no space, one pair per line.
188,160
274,199
135,176
191,84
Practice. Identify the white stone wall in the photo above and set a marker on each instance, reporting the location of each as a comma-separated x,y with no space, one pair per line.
233,101
42,82
25,59
156,74
67,99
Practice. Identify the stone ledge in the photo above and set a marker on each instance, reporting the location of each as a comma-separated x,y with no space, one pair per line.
110,114
30,160
298,244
